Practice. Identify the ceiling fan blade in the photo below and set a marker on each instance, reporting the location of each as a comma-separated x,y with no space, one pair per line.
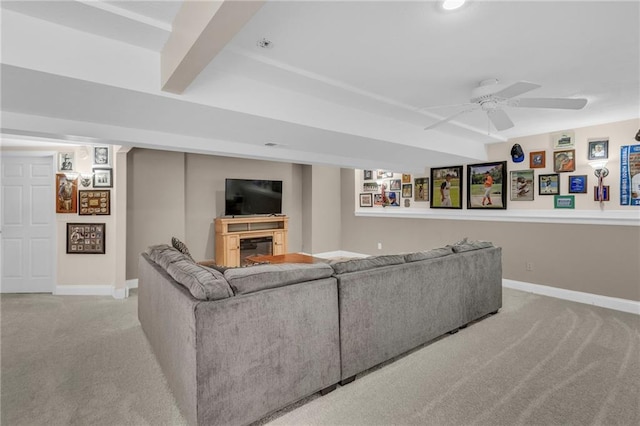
500,119
451,117
445,106
560,103
516,89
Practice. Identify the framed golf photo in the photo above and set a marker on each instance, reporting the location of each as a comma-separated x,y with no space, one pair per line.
446,188
487,185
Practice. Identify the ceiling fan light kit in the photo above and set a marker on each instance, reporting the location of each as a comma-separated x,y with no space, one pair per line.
452,4
491,97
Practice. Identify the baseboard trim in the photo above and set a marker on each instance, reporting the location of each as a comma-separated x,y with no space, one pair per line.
623,305
93,290
131,283
339,253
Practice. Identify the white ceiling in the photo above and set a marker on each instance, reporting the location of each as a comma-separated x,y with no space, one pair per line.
343,83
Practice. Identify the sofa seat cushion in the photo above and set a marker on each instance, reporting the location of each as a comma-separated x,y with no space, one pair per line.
355,265
428,254
466,245
203,283
261,277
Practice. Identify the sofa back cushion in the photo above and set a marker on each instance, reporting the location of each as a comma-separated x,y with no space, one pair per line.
466,245
261,277
428,254
355,265
164,255
203,283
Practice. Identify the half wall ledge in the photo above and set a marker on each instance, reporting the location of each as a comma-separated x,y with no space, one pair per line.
588,217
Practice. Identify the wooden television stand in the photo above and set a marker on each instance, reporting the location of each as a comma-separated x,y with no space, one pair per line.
230,231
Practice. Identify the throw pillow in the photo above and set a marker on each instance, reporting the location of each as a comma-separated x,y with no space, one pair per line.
181,247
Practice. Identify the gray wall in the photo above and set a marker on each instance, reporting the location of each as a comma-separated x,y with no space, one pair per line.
178,194
588,258
321,195
155,201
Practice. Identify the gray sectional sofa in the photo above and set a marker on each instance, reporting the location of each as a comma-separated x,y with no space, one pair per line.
238,344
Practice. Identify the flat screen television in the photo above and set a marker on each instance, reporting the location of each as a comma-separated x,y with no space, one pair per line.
252,197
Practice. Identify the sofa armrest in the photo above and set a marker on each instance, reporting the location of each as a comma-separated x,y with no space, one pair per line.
262,351
166,313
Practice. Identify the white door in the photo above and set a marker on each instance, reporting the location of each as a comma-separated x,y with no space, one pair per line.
28,224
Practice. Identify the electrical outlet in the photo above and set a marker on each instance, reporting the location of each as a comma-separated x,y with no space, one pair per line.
379,246
529,266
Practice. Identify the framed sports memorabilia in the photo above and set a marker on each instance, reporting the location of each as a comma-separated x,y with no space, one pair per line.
85,238
549,184
578,184
421,192
94,202
522,185
487,185
446,188
66,194
366,200
537,159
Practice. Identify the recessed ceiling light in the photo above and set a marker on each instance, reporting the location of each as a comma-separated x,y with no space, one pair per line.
452,4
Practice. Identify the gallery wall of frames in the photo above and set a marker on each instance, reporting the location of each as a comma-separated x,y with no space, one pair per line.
563,170
84,181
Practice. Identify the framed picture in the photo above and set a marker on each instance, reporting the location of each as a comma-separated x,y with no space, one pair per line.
564,161
94,202
85,238
102,178
66,194
394,198
605,193
407,190
377,200
598,149
537,159
487,185
394,185
368,174
370,186
446,188
406,178
563,140
102,156
578,184
522,185
407,202
549,184
564,202
86,180
66,161
422,189
366,200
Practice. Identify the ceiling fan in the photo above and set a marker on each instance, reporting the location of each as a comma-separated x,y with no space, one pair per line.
492,97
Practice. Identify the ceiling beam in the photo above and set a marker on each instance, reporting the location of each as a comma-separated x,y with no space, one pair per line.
201,29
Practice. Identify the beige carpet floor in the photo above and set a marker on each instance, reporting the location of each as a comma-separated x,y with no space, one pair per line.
73,360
